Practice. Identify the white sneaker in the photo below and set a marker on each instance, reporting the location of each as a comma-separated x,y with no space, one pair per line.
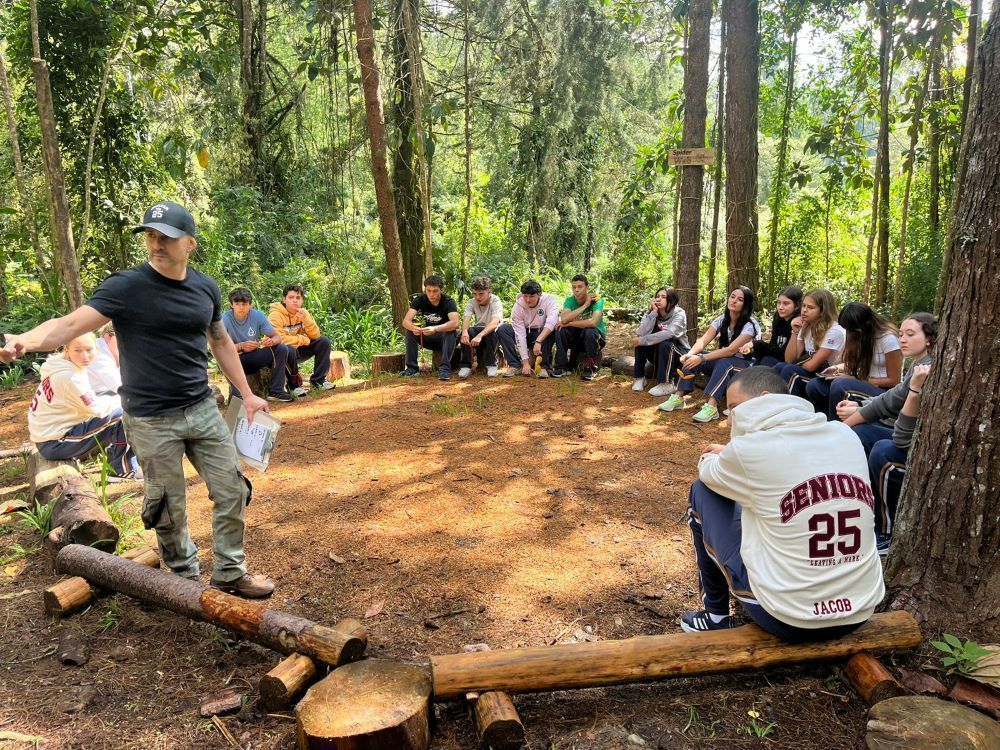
491,371
543,373
300,392
663,389
639,384
464,372
512,372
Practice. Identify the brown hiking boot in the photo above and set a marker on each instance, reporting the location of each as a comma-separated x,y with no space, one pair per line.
248,586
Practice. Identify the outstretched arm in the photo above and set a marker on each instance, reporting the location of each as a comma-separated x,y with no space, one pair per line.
53,333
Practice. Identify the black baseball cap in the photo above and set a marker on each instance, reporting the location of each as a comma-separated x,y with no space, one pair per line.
169,218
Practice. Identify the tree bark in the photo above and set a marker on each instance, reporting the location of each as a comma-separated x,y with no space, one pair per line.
778,189
253,78
971,44
943,561
692,182
720,107
380,169
742,94
886,13
934,153
498,726
283,684
873,229
62,227
467,132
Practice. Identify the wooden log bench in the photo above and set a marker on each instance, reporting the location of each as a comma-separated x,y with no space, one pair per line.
345,642
405,690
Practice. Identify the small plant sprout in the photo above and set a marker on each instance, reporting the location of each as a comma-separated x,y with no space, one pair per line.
756,727
111,618
961,657
37,518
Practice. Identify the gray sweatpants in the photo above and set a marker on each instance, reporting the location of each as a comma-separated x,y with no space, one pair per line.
160,443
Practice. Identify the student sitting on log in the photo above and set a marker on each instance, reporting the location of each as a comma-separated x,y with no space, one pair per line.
67,419
782,518
104,373
533,321
581,330
258,343
817,341
736,328
483,315
787,307
871,363
661,339
302,336
879,422
439,321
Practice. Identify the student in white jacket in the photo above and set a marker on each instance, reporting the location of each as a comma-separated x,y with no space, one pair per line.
783,518
67,419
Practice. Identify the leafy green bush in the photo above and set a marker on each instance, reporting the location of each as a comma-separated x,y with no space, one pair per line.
362,333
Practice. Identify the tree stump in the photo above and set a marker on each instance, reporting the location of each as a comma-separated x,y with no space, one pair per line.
387,363
369,705
340,366
46,478
872,681
920,723
497,724
283,684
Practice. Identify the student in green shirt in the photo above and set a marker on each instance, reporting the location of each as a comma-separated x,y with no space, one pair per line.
581,330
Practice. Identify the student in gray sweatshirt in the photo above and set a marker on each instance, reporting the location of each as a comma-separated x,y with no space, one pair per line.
660,339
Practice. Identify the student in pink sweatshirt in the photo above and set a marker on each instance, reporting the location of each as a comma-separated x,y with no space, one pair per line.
531,331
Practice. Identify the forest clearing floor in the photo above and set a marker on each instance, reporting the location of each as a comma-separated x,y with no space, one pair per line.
501,512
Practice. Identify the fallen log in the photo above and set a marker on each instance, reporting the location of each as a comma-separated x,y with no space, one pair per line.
24,449
387,364
77,514
498,726
919,723
283,684
70,594
873,682
283,632
369,705
648,658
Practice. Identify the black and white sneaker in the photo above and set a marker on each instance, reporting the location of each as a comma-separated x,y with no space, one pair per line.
284,396
701,622
409,372
882,543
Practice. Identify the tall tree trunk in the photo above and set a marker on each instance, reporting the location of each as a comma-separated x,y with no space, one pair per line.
911,155
588,255
62,227
886,13
411,34
252,23
826,231
720,109
467,131
778,189
975,20
943,562
692,183
934,151
406,173
22,190
873,229
380,167
742,95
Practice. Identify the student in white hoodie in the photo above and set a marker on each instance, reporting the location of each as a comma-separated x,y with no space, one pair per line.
792,539
530,333
104,373
67,419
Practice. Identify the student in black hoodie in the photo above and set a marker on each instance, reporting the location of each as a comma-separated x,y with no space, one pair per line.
787,307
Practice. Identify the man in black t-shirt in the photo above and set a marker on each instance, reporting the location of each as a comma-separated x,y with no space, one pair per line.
166,315
436,328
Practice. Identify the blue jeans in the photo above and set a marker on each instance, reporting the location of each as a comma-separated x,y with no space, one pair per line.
85,438
797,378
664,356
486,352
719,371
438,342
826,394
717,530
508,343
274,357
871,433
887,467
572,342
320,349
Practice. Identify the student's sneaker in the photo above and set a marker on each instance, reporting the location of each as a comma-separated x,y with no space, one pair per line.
409,372
326,385
299,392
706,413
676,401
663,389
284,396
639,385
491,371
444,374
558,372
132,476
512,372
544,374
589,369
701,622
465,372
882,543
248,586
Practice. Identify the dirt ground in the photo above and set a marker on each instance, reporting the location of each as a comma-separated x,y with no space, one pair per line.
502,512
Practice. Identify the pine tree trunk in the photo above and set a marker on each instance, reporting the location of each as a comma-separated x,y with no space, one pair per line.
971,42
886,11
467,132
742,94
720,108
59,218
934,152
380,168
253,68
411,33
778,189
872,230
943,562
692,183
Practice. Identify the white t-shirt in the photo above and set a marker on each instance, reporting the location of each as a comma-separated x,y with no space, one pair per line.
751,328
103,373
887,342
835,339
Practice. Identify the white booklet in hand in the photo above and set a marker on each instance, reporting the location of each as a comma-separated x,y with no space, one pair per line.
254,441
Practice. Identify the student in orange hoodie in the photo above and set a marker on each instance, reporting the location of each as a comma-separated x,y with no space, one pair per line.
300,332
